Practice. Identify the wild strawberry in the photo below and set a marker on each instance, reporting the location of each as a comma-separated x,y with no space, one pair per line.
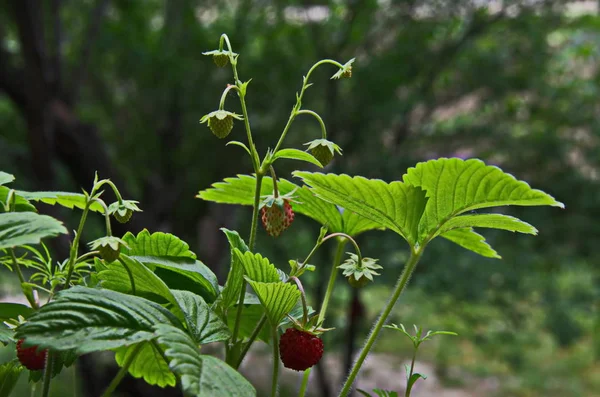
323,150
30,357
122,211
277,217
359,274
220,57
220,122
300,349
109,247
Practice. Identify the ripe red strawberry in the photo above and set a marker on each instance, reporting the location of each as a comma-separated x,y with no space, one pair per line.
276,219
299,349
30,357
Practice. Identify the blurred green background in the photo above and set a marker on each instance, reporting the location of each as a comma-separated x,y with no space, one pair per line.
119,86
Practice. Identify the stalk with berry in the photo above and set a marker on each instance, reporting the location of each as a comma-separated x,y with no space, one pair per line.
149,299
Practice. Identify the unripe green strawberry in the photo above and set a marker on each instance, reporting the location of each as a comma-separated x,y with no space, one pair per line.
359,273
323,150
276,219
361,282
221,60
123,218
109,247
31,358
220,122
323,154
220,127
299,349
123,210
108,253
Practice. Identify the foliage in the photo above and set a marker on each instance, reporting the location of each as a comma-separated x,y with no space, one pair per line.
520,71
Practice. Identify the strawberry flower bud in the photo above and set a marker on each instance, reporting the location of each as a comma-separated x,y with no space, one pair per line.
345,71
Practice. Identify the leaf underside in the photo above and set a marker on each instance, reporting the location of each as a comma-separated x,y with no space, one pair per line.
278,299
22,228
148,364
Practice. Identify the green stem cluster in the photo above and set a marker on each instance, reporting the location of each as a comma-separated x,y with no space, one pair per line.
409,268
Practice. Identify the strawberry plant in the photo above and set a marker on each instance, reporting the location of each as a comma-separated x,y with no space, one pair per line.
152,302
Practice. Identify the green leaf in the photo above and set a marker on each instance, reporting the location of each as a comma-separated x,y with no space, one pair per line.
65,199
240,191
13,310
455,186
156,244
278,299
21,228
202,323
493,221
87,320
9,376
147,284
201,375
295,154
6,335
256,267
471,240
6,178
21,204
233,285
251,315
148,364
183,273
412,380
396,206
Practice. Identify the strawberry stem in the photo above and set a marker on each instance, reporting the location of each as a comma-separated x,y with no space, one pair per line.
274,177
410,266
319,119
303,296
336,261
275,379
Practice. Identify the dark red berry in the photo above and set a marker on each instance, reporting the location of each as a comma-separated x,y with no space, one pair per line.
299,349
30,357
275,219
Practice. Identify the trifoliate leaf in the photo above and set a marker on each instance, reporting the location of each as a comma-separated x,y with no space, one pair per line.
396,206
455,186
87,320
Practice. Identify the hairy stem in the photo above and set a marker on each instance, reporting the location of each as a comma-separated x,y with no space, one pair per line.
332,276
275,379
319,119
412,368
410,266
48,374
75,245
251,340
298,105
122,372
